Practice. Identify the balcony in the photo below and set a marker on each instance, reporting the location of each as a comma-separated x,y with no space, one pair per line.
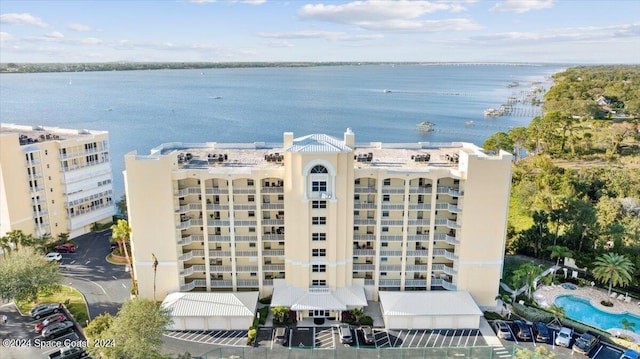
273,237
247,269
217,207
189,223
369,282
245,206
443,268
389,283
364,252
392,206
390,253
248,283
360,267
219,283
244,190
273,222
439,282
190,270
447,222
277,190
189,255
218,238
391,238
439,252
423,222
450,191
219,254
392,222
390,268
245,223
365,237
246,253
201,283
415,283
364,222
417,267
365,189
392,189
267,282
418,237
273,267
187,191
441,237
448,207
216,190
189,207
417,253
274,206
421,189
419,206
272,253
190,239
364,205
247,238
220,269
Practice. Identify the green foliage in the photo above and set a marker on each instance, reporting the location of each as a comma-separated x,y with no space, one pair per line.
492,316
366,320
252,333
136,331
265,300
541,352
99,325
613,268
357,314
280,313
26,273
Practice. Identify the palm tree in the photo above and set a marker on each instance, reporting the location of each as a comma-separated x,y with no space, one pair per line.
121,232
559,252
627,325
558,313
505,300
5,244
155,269
526,274
613,268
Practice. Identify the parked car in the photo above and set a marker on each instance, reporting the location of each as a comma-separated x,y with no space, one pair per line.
541,332
502,330
564,337
43,310
57,329
367,334
585,343
59,317
281,336
65,248
344,332
68,353
53,256
522,330
630,354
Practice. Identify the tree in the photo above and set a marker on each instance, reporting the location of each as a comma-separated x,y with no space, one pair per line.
155,270
25,274
280,313
99,325
136,332
498,141
557,311
526,275
614,268
357,314
559,252
505,300
121,233
540,352
5,245
627,325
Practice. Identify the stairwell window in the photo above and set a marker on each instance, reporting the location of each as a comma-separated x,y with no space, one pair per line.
319,220
319,268
319,204
318,252
318,236
319,186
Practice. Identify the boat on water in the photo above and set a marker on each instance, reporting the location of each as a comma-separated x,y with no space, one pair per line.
469,124
513,84
425,126
386,91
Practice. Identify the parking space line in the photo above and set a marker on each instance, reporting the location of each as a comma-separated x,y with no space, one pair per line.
444,339
460,339
191,334
453,336
429,339
233,337
395,343
421,337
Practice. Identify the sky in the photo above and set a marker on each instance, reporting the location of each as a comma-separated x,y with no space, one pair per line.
529,31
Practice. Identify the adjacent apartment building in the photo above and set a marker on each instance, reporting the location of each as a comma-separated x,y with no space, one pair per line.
54,180
320,223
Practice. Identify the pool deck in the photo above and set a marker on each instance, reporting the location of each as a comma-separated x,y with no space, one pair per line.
546,295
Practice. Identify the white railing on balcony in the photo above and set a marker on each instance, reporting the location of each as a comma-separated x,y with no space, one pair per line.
448,285
439,252
441,237
267,282
247,283
390,189
364,252
448,207
248,253
246,268
190,239
220,269
245,223
219,238
415,283
365,237
273,253
188,255
364,205
418,237
187,191
363,267
417,253
390,267
447,222
189,223
364,222
219,223
391,222
417,267
420,189
188,287
443,268
246,238
267,206
244,206
217,207
369,282
450,191
190,270
189,207
389,282
273,222
392,206
272,189
419,206
391,238
216,190
244,190
424,222
219,254
216,283
320,195
273,267
273,237
390,253
365,189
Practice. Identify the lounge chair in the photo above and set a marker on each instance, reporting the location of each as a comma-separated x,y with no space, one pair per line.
613,295
627,300
621,297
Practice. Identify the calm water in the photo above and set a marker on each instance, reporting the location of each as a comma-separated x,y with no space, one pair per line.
581,310
142,109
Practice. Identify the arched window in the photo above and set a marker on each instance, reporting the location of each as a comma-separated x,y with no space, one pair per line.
319,169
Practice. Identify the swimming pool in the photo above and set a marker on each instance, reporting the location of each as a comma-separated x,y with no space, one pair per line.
580,309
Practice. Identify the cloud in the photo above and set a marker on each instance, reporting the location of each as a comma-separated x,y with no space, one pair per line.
279,44
79,28
522,6
90,41
5,36
251,2
574,34
55,35
22,19
202,1
325,35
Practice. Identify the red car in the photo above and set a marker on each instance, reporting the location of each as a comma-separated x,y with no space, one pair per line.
65,248
59,317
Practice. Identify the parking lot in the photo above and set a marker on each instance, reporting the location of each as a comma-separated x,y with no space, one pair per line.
232,338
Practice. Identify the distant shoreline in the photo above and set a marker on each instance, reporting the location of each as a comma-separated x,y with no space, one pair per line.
132,66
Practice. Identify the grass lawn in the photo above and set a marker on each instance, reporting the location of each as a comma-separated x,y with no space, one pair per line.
72,299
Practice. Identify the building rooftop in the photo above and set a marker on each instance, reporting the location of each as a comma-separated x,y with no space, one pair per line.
36,134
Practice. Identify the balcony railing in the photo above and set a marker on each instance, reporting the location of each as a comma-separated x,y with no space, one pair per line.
220,269
391,237
273,222
190,270
418,237
218,222
219,283
447,222
189,207
448,207
219,238
364,205
244,190
364,252
417,267
246,268
392,222
415,283
417,253
450,191
267,282
420,189
273,237
389,282
364,237
369,282
365,189
273,253
358,267
219,254
364,222
217,207
441,237
187,191
419,206
248,283
273,267
390,253
188,255
248,253
216,190
244,206
272,189
245,223
267,206
247,238
390,268
439,282
419,222
439,252
189,223
443,268
190,239
394,189
392,206
193,284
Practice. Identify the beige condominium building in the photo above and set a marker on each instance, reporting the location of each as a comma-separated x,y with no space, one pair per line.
320,223
54,180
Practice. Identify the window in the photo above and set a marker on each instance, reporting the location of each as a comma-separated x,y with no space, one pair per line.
385,213
386,198
385,229
253,274
383,274
356,197
319,220
319,268
319,169
319,204
385,244
384,259
252,213
250,182
252,245
356,228
357,182
318,252
319,186
387,182
318,236
356,213
280,197
252,229
251,198
319,283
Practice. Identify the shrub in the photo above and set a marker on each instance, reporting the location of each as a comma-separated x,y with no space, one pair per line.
366,320
265,300
492,316
532,314
606,303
